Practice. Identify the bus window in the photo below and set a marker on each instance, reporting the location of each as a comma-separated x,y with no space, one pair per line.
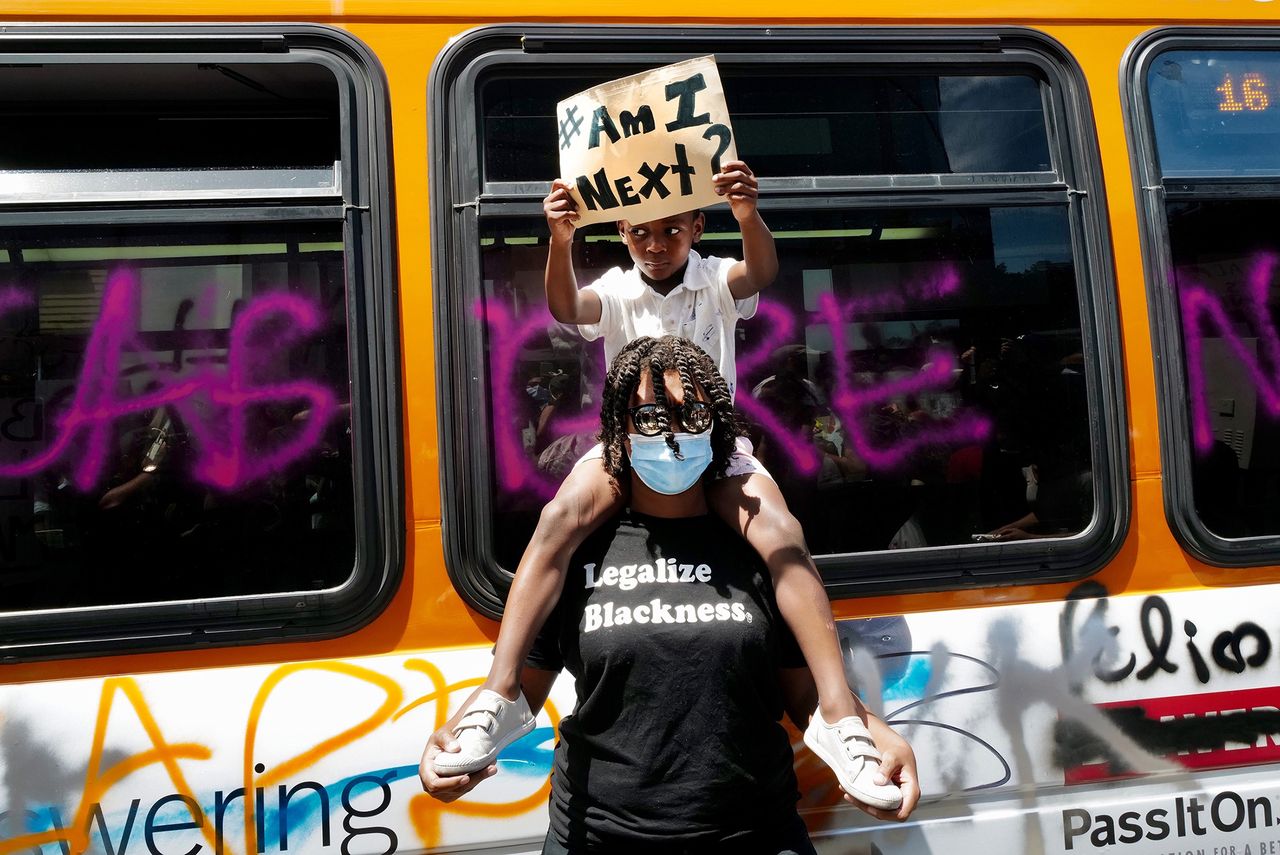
210,349
184,367
1210,115
1214,112
854,124
922,379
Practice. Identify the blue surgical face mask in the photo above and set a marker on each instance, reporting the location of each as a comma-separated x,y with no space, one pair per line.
659,468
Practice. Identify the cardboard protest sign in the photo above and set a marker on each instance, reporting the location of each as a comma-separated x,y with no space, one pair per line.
645,147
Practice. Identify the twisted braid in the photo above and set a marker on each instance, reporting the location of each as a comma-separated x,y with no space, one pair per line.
686,383
658,355
620,382
658,364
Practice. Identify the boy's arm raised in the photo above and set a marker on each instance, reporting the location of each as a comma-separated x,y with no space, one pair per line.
759,265
567,303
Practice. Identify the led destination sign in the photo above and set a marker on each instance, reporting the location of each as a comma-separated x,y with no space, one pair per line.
1216,113
1253,96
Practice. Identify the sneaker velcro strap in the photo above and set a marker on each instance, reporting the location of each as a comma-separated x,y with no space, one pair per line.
487,702
857,745
485,719
862,749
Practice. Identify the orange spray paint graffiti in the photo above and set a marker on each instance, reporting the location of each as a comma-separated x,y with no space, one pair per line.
426,811
325,747
424,814
98,782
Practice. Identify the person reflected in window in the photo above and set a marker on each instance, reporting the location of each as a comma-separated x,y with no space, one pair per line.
1050,432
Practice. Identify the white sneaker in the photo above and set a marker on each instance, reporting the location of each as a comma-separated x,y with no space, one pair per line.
489,725
847,748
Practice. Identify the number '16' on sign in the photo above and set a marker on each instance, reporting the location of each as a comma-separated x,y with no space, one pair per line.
1252,95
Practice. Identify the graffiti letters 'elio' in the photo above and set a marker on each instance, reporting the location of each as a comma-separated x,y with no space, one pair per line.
1244,646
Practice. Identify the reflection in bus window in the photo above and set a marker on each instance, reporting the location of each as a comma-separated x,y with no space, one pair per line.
1213,114
845,124
187,116
1216,112
1226,266
174,409
914,378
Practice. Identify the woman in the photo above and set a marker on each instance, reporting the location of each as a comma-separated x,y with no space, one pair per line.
683,667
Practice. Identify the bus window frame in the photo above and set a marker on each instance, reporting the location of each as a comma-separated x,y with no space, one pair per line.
1151,192
459,199
364,213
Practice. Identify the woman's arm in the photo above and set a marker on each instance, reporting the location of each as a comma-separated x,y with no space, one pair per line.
897,760
534,683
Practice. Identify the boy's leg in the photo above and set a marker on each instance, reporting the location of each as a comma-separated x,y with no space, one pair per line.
588,496
754,505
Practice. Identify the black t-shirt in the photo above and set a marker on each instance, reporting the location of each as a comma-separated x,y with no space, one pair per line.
672,633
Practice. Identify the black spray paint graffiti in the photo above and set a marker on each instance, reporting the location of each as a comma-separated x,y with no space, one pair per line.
1139,738
1247,645
878,651
1125,736
1016,685
896,717
1235,650
1076,746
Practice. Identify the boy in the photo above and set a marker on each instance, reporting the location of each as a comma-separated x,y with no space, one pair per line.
671,290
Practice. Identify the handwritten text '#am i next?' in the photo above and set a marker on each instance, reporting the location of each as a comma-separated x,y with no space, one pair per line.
663,571
647,144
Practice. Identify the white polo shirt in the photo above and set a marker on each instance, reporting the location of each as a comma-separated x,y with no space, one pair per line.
700,309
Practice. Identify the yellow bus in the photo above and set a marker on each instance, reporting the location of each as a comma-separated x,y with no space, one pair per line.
280,401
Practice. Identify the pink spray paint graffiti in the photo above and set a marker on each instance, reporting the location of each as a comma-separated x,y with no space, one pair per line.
1202,309
850,402
14,298
227,462
84,431
777,328
506,337
943,283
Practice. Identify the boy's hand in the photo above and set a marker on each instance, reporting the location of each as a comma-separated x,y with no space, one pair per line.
759,266
738,184
561,210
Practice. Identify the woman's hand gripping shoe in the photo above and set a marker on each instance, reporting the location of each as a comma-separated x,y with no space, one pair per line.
847,748
489,725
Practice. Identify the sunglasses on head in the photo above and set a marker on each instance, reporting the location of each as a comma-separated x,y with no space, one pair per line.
692,417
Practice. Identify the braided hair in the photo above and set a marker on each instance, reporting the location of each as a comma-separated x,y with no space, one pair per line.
657,356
